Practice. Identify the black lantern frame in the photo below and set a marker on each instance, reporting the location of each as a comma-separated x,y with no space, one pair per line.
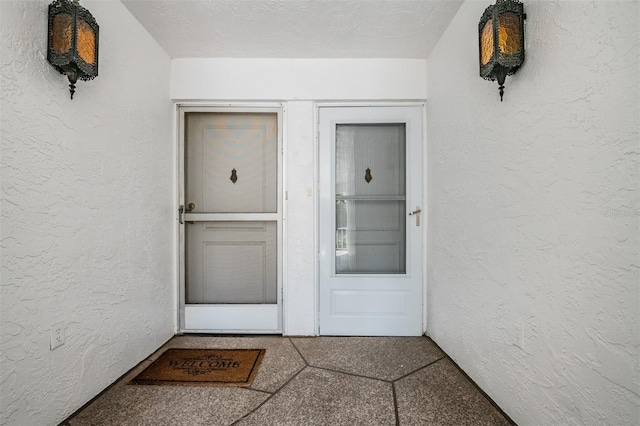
68,22
504,60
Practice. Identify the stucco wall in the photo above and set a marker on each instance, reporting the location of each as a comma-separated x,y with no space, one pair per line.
298,84
87,233
534,213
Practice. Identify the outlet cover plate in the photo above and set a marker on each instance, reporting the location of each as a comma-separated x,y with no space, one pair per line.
518,336
57,335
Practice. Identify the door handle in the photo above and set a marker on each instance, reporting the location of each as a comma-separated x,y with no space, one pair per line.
416,213
182,210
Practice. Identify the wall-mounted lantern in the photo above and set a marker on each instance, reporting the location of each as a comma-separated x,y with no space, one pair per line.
501,37
72,47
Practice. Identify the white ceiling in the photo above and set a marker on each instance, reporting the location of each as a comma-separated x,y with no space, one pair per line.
295,28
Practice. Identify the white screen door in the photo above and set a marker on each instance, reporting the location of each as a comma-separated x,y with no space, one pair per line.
231,220
370,181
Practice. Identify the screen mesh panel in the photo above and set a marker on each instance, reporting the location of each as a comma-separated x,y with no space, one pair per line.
225,145
231,262
231,166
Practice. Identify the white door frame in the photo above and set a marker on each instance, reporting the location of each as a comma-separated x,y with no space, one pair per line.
280,110
425,207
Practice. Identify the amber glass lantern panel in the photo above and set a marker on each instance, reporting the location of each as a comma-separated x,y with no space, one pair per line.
487,42
509,38
61,33
86,43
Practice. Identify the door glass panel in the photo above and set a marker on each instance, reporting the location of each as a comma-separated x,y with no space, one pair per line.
231,162
231,262
370,199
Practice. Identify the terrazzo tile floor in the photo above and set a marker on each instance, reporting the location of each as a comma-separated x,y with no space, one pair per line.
308,381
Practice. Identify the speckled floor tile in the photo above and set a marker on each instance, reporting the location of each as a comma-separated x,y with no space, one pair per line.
386,358
348,382
440,395
135,405
320,397
280,363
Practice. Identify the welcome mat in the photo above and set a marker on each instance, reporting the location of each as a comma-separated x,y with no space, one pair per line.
203,367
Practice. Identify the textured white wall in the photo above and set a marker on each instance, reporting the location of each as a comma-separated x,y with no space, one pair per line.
299,83
534,213
87,213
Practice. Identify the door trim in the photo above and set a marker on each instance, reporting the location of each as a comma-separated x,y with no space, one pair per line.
425,209
275,108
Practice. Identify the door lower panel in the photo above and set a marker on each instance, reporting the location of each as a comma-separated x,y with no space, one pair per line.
232,318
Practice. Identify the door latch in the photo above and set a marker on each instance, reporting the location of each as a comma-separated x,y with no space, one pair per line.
416,213
181,214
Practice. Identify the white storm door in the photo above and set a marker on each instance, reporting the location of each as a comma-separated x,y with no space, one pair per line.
370,228
231,220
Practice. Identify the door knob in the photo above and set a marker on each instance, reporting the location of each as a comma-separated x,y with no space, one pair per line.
190,207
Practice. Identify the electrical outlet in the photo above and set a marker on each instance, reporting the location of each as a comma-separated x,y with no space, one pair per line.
57,335
518,336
